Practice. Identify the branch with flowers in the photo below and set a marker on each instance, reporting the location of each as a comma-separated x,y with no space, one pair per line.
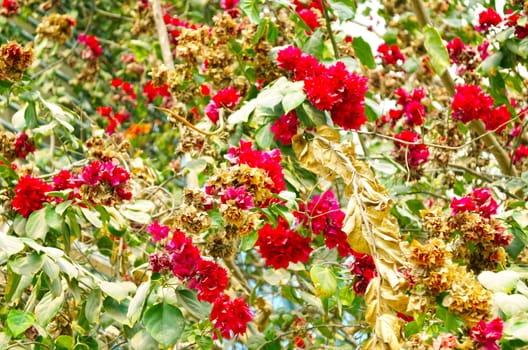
263,175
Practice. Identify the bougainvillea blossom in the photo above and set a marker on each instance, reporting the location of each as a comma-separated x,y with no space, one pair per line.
411,151
30,195
487,19
93,44
480,201
282,245
390,54
486,334
364,270
23,146
158,231
230,317
285,128
209,279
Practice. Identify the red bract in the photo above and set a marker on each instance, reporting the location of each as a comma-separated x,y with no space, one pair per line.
364,270
230,316
268,161
520,153
9,8
412,105
184,255
151,92
23,146
413,152
227,98
281,245
488,18
481,201
92,43
390,54
65,180
238,196
285,128
310,18
158,231
30,195
487,334
209,279
471,103
498,119
324,216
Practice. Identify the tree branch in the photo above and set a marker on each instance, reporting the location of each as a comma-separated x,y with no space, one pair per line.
162,34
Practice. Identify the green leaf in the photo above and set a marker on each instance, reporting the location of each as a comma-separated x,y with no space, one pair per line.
315,45
64,342
324,280
363,51
92,216
247,242
30,115
276,277
117,290
53,220
250,8
47,308
165,323
136,304
264,136
188,300
18,120
36,227
437,50
19,321
492,62
10,245
27,265
93,305
293,100
502,281
143,341
196,165
344,9
242,115
116,310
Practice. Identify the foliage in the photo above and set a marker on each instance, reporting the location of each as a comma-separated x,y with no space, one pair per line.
263,175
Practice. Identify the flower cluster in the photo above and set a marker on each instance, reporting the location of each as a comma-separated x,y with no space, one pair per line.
471,103
23,146
227,98
281,245
487,334
480,201
230,6
15,59
94,48
151,91
113,120
56,27
285,128
9,8
310,18
411,105
324,216
520,153
411,151
364,270
30,195
126,92
333,88
487,19
521,30
390,54
269,161
209,279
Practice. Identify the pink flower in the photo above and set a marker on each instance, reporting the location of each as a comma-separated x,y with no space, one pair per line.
23,146
487,334
209,279
281,245
520,153
481,201
488,18
212,111
285,128
30,195
238,196
390,54
412,151
230,316
158,231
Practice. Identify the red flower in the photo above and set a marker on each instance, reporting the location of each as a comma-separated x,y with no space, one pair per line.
152,92
471,103
104,111
9,8
520,153
481,201
285,128
487,334
210,280
227,98
230,316
364,269
324,216
23,146
415,153
488,18
158,231
268,161
281,245
92,43
238,196
30,195
412,105
390,54
116,82
65,180
456,49
498,119
310,18
184,255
